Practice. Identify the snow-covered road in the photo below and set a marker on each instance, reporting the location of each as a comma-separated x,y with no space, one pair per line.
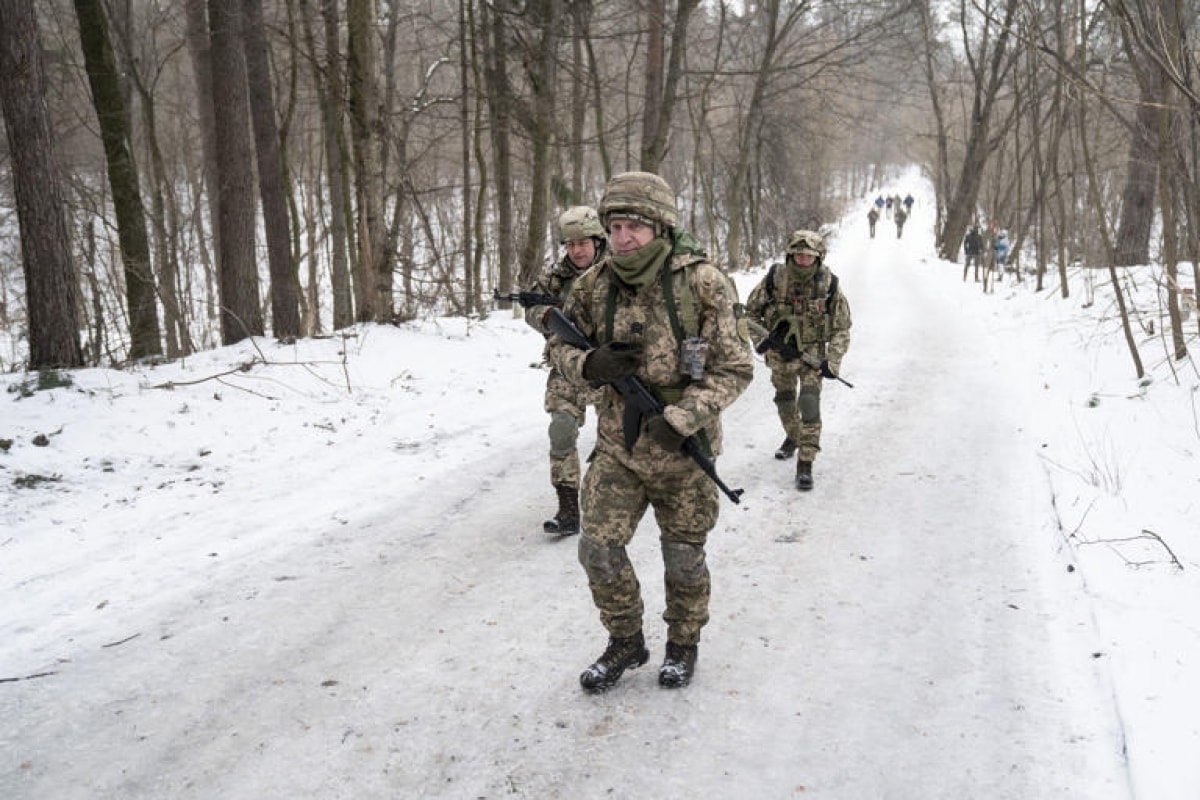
370,610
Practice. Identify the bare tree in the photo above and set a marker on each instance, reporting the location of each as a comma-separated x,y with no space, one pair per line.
52,295
543,69
144,334
327,85
662,89
990,58
285,304
374,286
499,95
241,315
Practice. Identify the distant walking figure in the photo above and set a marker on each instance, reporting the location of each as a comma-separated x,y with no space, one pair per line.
972,249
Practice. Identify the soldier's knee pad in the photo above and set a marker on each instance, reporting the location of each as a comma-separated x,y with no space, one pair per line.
603,564
564,433
810,407
684,562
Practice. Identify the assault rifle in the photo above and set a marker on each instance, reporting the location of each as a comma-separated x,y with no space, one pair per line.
529,299
770,340
639,404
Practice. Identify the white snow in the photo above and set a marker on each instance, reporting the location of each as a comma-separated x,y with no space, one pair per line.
324,575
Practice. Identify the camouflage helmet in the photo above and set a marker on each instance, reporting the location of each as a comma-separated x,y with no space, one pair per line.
640,195
579,222
803,241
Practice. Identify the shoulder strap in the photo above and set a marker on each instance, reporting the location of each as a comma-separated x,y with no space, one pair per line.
829,295
685,324
771,288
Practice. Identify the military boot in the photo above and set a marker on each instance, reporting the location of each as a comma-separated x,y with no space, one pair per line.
566,521
677,670
804,479
621,654
786,450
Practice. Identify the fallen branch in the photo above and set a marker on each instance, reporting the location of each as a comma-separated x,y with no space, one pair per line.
243,367
123,641
28,677
1143,536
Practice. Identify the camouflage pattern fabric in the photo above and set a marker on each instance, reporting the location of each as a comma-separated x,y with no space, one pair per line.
620,485
800,307
565,400
615,494
800,414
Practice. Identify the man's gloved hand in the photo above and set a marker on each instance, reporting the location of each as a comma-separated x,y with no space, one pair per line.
827,371
610,362
660,431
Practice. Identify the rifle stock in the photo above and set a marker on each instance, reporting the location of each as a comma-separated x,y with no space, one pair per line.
639,403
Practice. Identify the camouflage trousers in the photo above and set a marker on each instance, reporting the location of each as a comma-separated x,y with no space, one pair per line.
616,492
800,413
567,408
564,450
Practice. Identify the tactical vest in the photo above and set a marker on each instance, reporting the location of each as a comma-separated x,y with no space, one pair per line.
681,311
808,315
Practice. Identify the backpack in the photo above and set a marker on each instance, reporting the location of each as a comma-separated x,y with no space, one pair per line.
773,283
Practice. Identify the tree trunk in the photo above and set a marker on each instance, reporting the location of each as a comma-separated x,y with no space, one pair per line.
1141,172
241,315
285,304
941,183
662,90
499,108
51,291
474,291
144,333
544,78
200,50
366,136
327,81
1141,180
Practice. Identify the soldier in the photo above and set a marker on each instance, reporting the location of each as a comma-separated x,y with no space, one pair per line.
800,301
660,311
582,235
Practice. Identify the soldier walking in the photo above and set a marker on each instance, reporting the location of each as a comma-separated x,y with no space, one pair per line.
661,312
801,303
566,401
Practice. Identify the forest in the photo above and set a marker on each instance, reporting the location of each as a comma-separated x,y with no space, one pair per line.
179,175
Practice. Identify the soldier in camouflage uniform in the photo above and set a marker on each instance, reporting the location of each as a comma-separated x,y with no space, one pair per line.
652,294
582,235
801,302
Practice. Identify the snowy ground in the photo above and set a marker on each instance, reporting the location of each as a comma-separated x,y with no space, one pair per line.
324,575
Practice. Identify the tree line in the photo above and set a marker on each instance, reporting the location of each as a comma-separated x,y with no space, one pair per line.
186,173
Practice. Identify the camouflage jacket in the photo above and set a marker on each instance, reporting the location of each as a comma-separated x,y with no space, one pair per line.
815,321
643,317
556,281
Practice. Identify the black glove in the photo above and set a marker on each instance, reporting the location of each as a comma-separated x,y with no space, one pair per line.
610,362
826,372
661,432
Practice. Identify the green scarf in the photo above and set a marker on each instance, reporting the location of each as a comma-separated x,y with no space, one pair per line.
640,268
802,276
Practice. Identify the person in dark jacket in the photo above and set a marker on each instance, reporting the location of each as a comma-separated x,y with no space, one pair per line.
972,250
